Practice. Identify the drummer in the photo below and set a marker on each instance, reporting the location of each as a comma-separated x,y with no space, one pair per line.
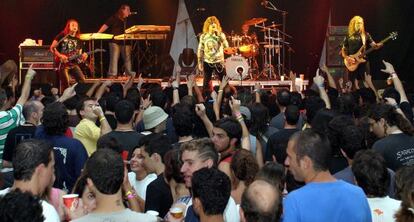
249,45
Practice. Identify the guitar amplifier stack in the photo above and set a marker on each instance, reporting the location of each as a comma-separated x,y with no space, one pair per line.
43,62
334,61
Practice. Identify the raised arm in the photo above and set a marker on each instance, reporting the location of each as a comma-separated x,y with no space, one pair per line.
26,86
331,81
319,81
257,88
175,85
102,88
217,102
200,110
128,84
91,90
389,68
235,108
368,81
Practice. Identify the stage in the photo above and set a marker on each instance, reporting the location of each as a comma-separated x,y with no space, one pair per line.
300,84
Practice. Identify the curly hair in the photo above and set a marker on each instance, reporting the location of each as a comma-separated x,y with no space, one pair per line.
351,26
55,119
20,206
211,20
406,211
244,166
371,173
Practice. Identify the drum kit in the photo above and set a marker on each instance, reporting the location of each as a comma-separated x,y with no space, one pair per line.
244,49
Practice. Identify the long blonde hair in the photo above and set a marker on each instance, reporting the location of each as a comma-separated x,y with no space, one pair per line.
211,20
351,27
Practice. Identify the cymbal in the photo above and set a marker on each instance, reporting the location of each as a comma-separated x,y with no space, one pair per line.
255,21
95,36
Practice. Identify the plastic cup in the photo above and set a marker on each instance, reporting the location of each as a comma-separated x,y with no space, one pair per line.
302,76
153,213
282,78
71,201
40,42
176,212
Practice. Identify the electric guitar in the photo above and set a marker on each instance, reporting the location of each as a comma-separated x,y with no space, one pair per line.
74,58
360,55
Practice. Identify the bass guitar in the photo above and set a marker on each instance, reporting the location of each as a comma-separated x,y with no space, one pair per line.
359,57
74,59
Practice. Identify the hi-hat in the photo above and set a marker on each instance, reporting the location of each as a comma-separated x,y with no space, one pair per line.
95,36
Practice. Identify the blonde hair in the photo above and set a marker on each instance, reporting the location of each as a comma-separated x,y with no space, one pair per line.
351,26
211,20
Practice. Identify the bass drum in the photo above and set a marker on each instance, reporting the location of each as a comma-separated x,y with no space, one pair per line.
237,67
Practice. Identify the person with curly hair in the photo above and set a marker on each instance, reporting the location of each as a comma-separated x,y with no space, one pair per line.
406,211
210,51
17,206
244,168
70,154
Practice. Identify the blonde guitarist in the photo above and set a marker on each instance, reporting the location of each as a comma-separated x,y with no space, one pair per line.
354,44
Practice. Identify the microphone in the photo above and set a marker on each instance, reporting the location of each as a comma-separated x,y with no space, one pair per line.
133,13
264,3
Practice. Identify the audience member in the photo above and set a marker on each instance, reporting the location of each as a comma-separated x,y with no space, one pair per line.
105,175
308,160
261,201
211,191
86,131
34,167
70,154
372,176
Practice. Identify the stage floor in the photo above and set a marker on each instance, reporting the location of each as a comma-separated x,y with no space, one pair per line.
300,84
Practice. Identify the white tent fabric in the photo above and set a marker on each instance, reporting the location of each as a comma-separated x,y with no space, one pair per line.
182,25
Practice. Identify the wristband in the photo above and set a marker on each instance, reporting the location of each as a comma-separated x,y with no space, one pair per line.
130,194
240,118
102,119
220,90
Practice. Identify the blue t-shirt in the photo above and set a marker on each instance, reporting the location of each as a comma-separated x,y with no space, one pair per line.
330,201
70,157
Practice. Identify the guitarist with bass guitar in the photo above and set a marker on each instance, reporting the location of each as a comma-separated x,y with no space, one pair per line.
66,46
357,39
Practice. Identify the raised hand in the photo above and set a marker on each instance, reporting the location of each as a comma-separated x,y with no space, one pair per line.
389,68
200,110
224,82
235,105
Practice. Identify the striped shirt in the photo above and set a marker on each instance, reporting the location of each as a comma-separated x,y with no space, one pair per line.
8,120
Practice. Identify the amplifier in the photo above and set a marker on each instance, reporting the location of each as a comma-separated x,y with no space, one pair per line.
35,54
338,30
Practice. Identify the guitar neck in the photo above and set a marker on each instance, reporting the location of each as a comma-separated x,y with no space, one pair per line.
372,48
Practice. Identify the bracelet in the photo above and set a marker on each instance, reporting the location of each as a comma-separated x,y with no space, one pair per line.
130,194
240,118
256,90
220,90
102,119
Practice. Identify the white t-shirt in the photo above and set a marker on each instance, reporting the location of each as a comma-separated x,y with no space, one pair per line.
140,186
49,212
383,208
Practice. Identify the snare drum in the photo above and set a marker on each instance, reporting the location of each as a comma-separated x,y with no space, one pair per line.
237,67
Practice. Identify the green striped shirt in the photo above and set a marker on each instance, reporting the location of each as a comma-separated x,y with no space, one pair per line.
8,120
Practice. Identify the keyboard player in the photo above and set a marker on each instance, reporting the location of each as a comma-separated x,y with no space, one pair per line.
116,25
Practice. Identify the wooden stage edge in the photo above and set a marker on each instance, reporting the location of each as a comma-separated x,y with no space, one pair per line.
300,84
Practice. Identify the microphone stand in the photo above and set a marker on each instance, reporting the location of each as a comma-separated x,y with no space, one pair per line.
272,7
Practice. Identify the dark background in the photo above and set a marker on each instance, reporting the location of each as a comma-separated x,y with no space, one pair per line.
306,22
